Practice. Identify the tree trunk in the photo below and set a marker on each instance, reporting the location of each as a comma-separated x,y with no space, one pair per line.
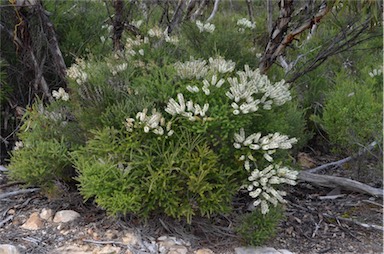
118,25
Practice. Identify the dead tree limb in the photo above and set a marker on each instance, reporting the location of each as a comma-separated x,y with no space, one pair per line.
280,38
365,225
335,181
342,161
18,192
213,13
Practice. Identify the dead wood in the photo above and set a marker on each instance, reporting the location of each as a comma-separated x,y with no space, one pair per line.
365,225
335,181
18,192
345,160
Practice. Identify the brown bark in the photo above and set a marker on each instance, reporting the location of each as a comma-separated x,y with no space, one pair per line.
118,25
280,38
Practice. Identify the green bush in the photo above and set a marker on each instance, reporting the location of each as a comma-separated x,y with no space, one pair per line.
256,228
144,174
47,135
352,114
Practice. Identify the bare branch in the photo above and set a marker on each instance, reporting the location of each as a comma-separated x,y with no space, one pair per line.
18,192
280,39
335,181
213,13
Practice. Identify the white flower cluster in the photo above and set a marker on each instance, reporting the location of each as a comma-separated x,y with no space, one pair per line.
268,144
250,83
18,145
137,23
117,68
60,94
156,32
191,69
262,185
76,72
207,27
219,64
187,109
376,72
245,24
155,123
131,44
206,85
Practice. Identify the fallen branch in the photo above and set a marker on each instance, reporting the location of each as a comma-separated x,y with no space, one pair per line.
10,217
18,192
336,181
365,225
345,160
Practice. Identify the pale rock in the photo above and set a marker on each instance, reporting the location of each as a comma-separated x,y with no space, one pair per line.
71,249
11,211
130,239
65,216
204,251
108,249
111,234
284,251
259,250
177,249
33,223
8,249
46,214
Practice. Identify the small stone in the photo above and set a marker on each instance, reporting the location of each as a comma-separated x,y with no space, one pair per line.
90,231
130,239
178,250
8,249
95,236
46,214
65,216
256,250
71,249
33,223
284,251
108,249
204,251
11,211
111,234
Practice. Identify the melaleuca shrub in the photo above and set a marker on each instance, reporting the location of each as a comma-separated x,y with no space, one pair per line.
46,137
189,154
352,115
134,171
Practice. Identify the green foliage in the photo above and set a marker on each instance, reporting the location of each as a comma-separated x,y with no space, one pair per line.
80,26
256,228
47,136
352,114
41,163
226,41
145,174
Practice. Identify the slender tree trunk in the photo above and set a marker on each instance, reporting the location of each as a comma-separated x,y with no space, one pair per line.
118,25
250,10
277,35
269,16
178,16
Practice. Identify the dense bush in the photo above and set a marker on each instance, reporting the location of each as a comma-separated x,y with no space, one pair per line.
352,114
